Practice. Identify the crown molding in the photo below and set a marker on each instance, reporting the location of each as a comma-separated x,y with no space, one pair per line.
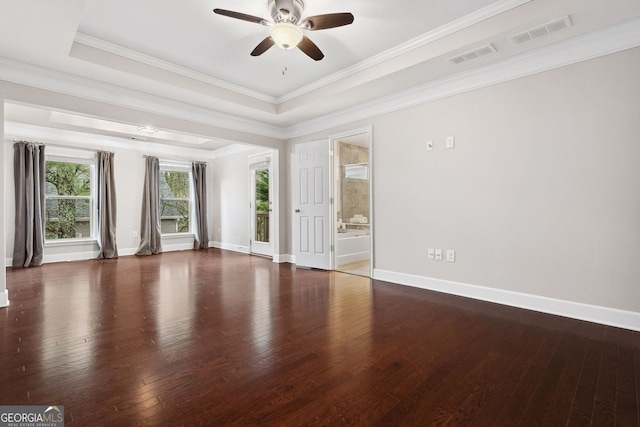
70,138
230,150
581,48
609,40
426,38
168,66
429,37
81,87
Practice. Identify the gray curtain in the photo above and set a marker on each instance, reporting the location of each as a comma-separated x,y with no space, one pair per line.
29,174
106,206
150,235
199,172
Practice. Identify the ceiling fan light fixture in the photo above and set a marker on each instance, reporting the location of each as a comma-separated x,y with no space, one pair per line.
147,129
286,35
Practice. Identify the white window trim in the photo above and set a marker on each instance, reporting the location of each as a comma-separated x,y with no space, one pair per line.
83,157
185,167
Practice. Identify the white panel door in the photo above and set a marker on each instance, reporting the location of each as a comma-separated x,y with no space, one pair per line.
311,230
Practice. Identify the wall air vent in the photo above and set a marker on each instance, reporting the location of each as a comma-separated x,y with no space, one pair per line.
472,54
541,31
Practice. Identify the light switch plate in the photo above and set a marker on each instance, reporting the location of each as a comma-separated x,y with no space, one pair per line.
429,145
438,254
431,253
450,142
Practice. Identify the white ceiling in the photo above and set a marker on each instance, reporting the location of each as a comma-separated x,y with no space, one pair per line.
183,53
197,39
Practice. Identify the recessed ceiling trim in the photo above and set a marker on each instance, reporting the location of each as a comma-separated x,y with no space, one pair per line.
84,140
168,66
426,38
601,42
429,37
133,130
59,82
581,48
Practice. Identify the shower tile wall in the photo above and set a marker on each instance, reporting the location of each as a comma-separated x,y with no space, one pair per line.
355,192
352,154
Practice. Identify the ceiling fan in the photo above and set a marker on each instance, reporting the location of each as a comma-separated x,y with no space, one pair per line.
286,29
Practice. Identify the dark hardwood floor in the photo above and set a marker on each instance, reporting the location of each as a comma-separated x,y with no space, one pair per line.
218,338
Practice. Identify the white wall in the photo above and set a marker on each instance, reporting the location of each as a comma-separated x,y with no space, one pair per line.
230,192
539,196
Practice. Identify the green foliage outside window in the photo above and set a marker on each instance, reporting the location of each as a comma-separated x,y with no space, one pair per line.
262,191
174,201
68,200
262,205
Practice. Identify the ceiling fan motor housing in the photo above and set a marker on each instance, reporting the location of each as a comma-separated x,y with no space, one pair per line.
286,10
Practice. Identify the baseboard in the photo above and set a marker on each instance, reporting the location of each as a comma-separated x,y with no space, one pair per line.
229,247
83,256
284,258
127,251
4,298
177,247
591,313
349,258
74,256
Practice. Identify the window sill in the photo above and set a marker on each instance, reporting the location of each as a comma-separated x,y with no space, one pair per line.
178,236
69,242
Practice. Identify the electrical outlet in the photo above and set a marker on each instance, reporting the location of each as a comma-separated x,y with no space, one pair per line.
135,234
431,253
438,254
451,255
450,142
429,145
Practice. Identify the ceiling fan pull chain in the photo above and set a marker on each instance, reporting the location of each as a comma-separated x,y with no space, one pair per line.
284,60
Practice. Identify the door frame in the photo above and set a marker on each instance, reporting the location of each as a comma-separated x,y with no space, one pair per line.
274,196
333,140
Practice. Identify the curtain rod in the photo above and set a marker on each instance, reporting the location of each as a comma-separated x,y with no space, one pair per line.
27,141
174,159
67,147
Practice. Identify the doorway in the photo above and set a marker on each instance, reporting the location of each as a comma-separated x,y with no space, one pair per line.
352,203
261,205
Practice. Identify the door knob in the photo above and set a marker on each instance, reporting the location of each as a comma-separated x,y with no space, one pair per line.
297,210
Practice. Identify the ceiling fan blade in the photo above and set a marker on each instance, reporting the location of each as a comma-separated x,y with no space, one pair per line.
310,49
241,16
263,47
329,20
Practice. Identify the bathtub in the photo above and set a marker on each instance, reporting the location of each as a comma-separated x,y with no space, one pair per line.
352,246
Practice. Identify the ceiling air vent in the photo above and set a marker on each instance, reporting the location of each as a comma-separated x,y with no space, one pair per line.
541,31
472,54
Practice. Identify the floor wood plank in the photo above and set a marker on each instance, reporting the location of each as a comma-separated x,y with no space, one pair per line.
220,338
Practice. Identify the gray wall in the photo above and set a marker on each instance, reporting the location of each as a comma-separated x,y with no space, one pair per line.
539,196
230,195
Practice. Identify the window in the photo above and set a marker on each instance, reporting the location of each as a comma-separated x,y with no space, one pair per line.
175,200
69,212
